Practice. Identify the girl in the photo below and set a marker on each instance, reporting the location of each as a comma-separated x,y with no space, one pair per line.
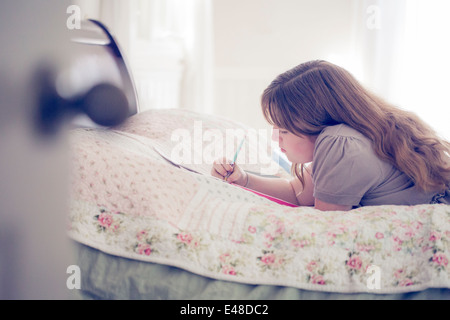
362,150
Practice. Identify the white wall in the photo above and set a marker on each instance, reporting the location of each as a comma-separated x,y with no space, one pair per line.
255,40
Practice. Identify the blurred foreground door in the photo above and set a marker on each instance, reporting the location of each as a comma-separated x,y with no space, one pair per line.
34,253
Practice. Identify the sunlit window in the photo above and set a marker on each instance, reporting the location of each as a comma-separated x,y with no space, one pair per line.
422,78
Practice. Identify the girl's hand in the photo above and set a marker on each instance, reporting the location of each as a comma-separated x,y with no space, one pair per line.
225,170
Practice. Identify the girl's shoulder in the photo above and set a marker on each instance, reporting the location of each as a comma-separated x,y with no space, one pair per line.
341,144
342,130
344,136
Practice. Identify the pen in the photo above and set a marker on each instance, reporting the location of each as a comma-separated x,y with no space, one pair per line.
235,156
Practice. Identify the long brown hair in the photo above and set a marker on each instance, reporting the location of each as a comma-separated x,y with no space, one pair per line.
317,94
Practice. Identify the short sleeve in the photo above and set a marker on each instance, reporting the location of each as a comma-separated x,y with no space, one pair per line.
343,170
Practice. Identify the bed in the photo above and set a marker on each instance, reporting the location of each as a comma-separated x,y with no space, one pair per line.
144,225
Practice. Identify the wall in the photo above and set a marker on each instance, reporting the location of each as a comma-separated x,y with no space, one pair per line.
255,40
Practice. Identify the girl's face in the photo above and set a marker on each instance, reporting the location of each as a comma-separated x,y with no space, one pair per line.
298,149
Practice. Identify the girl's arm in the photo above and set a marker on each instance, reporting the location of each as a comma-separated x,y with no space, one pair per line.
292,191
287,190
306,197
276,187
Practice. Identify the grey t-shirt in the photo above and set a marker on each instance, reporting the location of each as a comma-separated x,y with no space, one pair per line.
346,171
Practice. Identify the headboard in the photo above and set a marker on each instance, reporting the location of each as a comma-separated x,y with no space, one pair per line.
96,85
101,43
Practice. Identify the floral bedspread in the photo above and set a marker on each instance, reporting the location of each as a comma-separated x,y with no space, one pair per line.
128,201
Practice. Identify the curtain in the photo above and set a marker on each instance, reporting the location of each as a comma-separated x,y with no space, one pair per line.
378,42
403,49
422,84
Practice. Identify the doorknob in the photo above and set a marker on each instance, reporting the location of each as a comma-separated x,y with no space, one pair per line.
104,103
